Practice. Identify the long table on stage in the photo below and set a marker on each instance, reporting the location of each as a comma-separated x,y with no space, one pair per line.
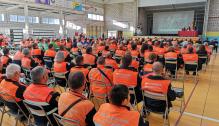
188,33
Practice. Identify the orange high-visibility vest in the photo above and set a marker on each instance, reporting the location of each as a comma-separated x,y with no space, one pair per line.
120,53
112,63
60,67
125,77
77,112
18,55
190,57
184,50
50,53
134,53
38,93
74,50
85,71
4,60
104,53
36,52
158,86
111,115
170,55
148,67
26,62
89,59
9,88
135,64
100,86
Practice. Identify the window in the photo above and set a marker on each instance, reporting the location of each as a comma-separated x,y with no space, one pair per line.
101,18
35,19
20,18
90,16
45,20
2,18
95,17
13,18
54,21
30,19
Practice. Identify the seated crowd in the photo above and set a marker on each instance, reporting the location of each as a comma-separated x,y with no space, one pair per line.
112,72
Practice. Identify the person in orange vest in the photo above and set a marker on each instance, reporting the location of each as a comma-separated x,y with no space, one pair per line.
127,76
27,62
105,51
119,53
82,110
79,62
75,50
113,46
193,57
50,53
148,67
37,54
11,86
157,77
39,92
110,62
100,79
89,58
184,49
147,53
17,57
100,47
116,113
5,59
60,66
134,51
66,53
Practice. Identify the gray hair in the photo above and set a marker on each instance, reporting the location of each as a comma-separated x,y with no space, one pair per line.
157,67
11,70
26,51
37,74
59,56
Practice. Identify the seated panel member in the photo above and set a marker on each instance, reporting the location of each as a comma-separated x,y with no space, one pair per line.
116,112
40,93
83,111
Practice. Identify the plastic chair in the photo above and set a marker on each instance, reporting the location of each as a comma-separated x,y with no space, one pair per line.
204,60
61,121
156,96
48,62
38,109
61,76
190,66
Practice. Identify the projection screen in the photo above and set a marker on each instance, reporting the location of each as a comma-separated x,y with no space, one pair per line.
171,22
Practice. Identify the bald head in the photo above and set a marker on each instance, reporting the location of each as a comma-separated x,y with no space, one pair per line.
157,67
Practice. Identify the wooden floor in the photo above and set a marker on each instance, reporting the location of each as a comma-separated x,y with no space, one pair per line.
202,101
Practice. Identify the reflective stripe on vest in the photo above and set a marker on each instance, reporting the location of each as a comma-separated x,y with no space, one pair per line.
126,77
60,67
110,115
158,86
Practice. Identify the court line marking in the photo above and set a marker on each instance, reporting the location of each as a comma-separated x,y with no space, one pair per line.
201,117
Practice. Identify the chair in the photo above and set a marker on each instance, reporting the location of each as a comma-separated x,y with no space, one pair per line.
61,121
132,92
204,60
191,66
20,113
156,96
48,62
2,109
61,76
38,109
171,65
